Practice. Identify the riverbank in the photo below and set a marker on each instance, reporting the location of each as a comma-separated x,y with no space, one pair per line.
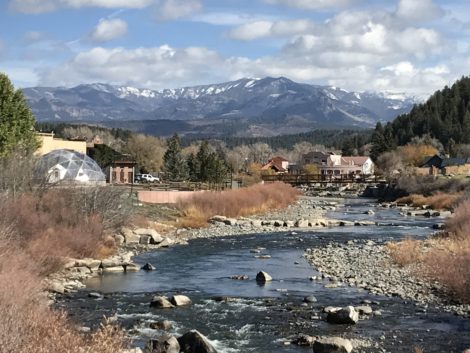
368,265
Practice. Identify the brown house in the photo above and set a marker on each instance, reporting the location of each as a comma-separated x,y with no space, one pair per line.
118,168
277,164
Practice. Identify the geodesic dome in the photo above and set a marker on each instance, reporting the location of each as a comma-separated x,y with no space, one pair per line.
69,167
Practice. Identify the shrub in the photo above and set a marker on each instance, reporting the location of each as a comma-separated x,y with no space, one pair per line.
437,201
405,252
236,203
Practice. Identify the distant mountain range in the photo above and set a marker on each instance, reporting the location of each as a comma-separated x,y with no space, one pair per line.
246,107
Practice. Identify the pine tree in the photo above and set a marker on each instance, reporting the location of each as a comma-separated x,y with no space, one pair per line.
174,164
16,120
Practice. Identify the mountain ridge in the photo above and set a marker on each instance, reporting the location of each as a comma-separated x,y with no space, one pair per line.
267,106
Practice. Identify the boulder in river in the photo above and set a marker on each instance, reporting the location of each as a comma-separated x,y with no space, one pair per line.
240,277
151,234
310,299
263,277
301,223
364,309
180,300
160,302
332,345
161,325
344,316
304,340
164,344
195,342
148,267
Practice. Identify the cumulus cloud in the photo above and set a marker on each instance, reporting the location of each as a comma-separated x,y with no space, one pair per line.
310,4
41,6
107,30
174,9
156,67
419,10
263,29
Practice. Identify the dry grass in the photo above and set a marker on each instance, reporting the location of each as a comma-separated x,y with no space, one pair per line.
405,252
438,201
252,200
446,258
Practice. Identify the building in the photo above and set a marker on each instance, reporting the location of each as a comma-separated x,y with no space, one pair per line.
119,168
277,164
436,165
345,165
316,157
49,143
62,166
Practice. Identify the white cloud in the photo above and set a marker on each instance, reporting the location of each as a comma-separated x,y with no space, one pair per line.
419,10
107,30
230,19
31,37
41,6
310,4
174,9
262,29
157,67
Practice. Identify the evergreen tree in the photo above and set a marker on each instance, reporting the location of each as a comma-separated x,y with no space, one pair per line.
174,164
16,120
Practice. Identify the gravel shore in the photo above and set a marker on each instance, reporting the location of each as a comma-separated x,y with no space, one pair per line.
367,264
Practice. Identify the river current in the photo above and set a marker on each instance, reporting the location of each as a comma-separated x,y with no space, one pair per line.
260,318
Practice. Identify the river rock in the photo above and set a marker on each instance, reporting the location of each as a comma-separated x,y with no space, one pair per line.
278,223
301,223
289,224
129,236
161,302
310,299
240,277
256,223
151,234
113,269
119,239
332,345
166,242
148,267
263,277
131,267
344,316
164,344
364,309
304,340
217,219
230,221
222,298
56,287
195,342
161,325
180,300
95,295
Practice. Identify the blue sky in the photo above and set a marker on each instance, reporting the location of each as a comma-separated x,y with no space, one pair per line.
403,46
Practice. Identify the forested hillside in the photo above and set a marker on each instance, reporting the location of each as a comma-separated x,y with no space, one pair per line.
445,116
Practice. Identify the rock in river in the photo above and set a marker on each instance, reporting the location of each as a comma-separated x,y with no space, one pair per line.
161,302
164,344
332,345
345,316
263,277
161,325
180,300
148,267
194,342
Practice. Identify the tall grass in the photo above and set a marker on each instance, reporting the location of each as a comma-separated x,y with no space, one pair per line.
437,201
252,200
445,258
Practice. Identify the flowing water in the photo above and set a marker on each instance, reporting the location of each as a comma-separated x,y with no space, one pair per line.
260,317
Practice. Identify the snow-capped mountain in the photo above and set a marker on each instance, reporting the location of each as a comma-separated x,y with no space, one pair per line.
250,106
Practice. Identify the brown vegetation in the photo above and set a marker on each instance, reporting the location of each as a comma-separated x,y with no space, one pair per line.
36,232
446,258
438,201
248,201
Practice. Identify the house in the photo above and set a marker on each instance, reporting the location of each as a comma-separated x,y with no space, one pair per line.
316,157
50,143
446,166
118,168
277,164
345,165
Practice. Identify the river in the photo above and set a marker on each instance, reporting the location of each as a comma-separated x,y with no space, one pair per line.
261,318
